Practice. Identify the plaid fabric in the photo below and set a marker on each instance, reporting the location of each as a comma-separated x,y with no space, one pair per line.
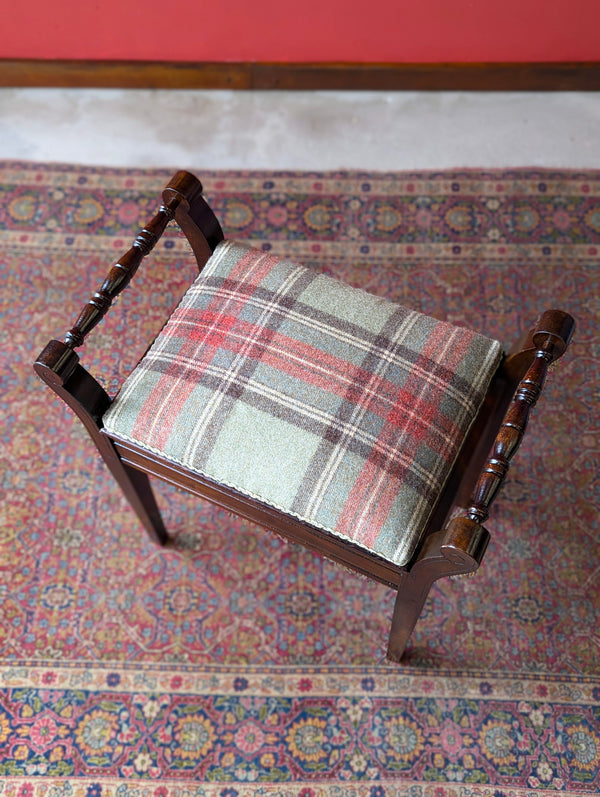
331,404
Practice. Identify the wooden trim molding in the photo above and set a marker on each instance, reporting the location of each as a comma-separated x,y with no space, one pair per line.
548,76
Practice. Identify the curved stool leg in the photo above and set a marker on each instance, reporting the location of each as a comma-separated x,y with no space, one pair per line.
58,366
457,550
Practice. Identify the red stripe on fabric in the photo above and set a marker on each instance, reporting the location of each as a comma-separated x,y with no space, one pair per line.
332,374
369,503
308,364
252,267
424,403
422,414
145,427
212,331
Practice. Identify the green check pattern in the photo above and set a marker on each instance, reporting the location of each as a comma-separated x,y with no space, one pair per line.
338,407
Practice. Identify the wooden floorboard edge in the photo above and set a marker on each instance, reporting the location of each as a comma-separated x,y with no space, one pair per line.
547,76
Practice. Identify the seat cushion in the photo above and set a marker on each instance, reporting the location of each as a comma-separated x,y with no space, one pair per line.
338,407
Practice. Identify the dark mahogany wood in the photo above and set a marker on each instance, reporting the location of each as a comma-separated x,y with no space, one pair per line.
58,364
534,76
551,337
456,550
460,548
447,548
182,190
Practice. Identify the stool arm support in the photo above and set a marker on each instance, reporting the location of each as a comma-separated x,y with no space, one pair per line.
182,200
118,278
58,364
456,550
460,547
550,338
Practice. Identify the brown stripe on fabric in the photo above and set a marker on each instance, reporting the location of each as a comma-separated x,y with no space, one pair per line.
380,345
372,498
337,430
233,384
338,439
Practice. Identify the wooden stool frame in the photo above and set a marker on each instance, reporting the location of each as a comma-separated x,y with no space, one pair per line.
446,548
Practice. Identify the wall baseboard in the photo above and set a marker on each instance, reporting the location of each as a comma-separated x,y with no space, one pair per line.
548,76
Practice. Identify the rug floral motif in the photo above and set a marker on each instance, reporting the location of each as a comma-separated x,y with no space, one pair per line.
232,662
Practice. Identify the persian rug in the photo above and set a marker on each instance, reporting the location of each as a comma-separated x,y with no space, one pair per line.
231,662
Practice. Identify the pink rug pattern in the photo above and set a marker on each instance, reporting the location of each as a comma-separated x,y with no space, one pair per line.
232,662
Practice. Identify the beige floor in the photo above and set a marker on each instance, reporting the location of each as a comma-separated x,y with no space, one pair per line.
300,130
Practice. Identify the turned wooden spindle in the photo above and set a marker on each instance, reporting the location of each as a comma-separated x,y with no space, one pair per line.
550,338
459,548
58,363
120,275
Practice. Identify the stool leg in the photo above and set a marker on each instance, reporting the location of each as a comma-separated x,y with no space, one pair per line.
59,368
456,550
138,492
411,597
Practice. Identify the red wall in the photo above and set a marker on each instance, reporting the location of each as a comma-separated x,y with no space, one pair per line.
418,31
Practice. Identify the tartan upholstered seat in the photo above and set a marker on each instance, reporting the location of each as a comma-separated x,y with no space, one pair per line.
337,407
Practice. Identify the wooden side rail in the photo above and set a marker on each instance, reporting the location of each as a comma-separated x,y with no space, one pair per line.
58,364
460,547
184,189
119,277
182,201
